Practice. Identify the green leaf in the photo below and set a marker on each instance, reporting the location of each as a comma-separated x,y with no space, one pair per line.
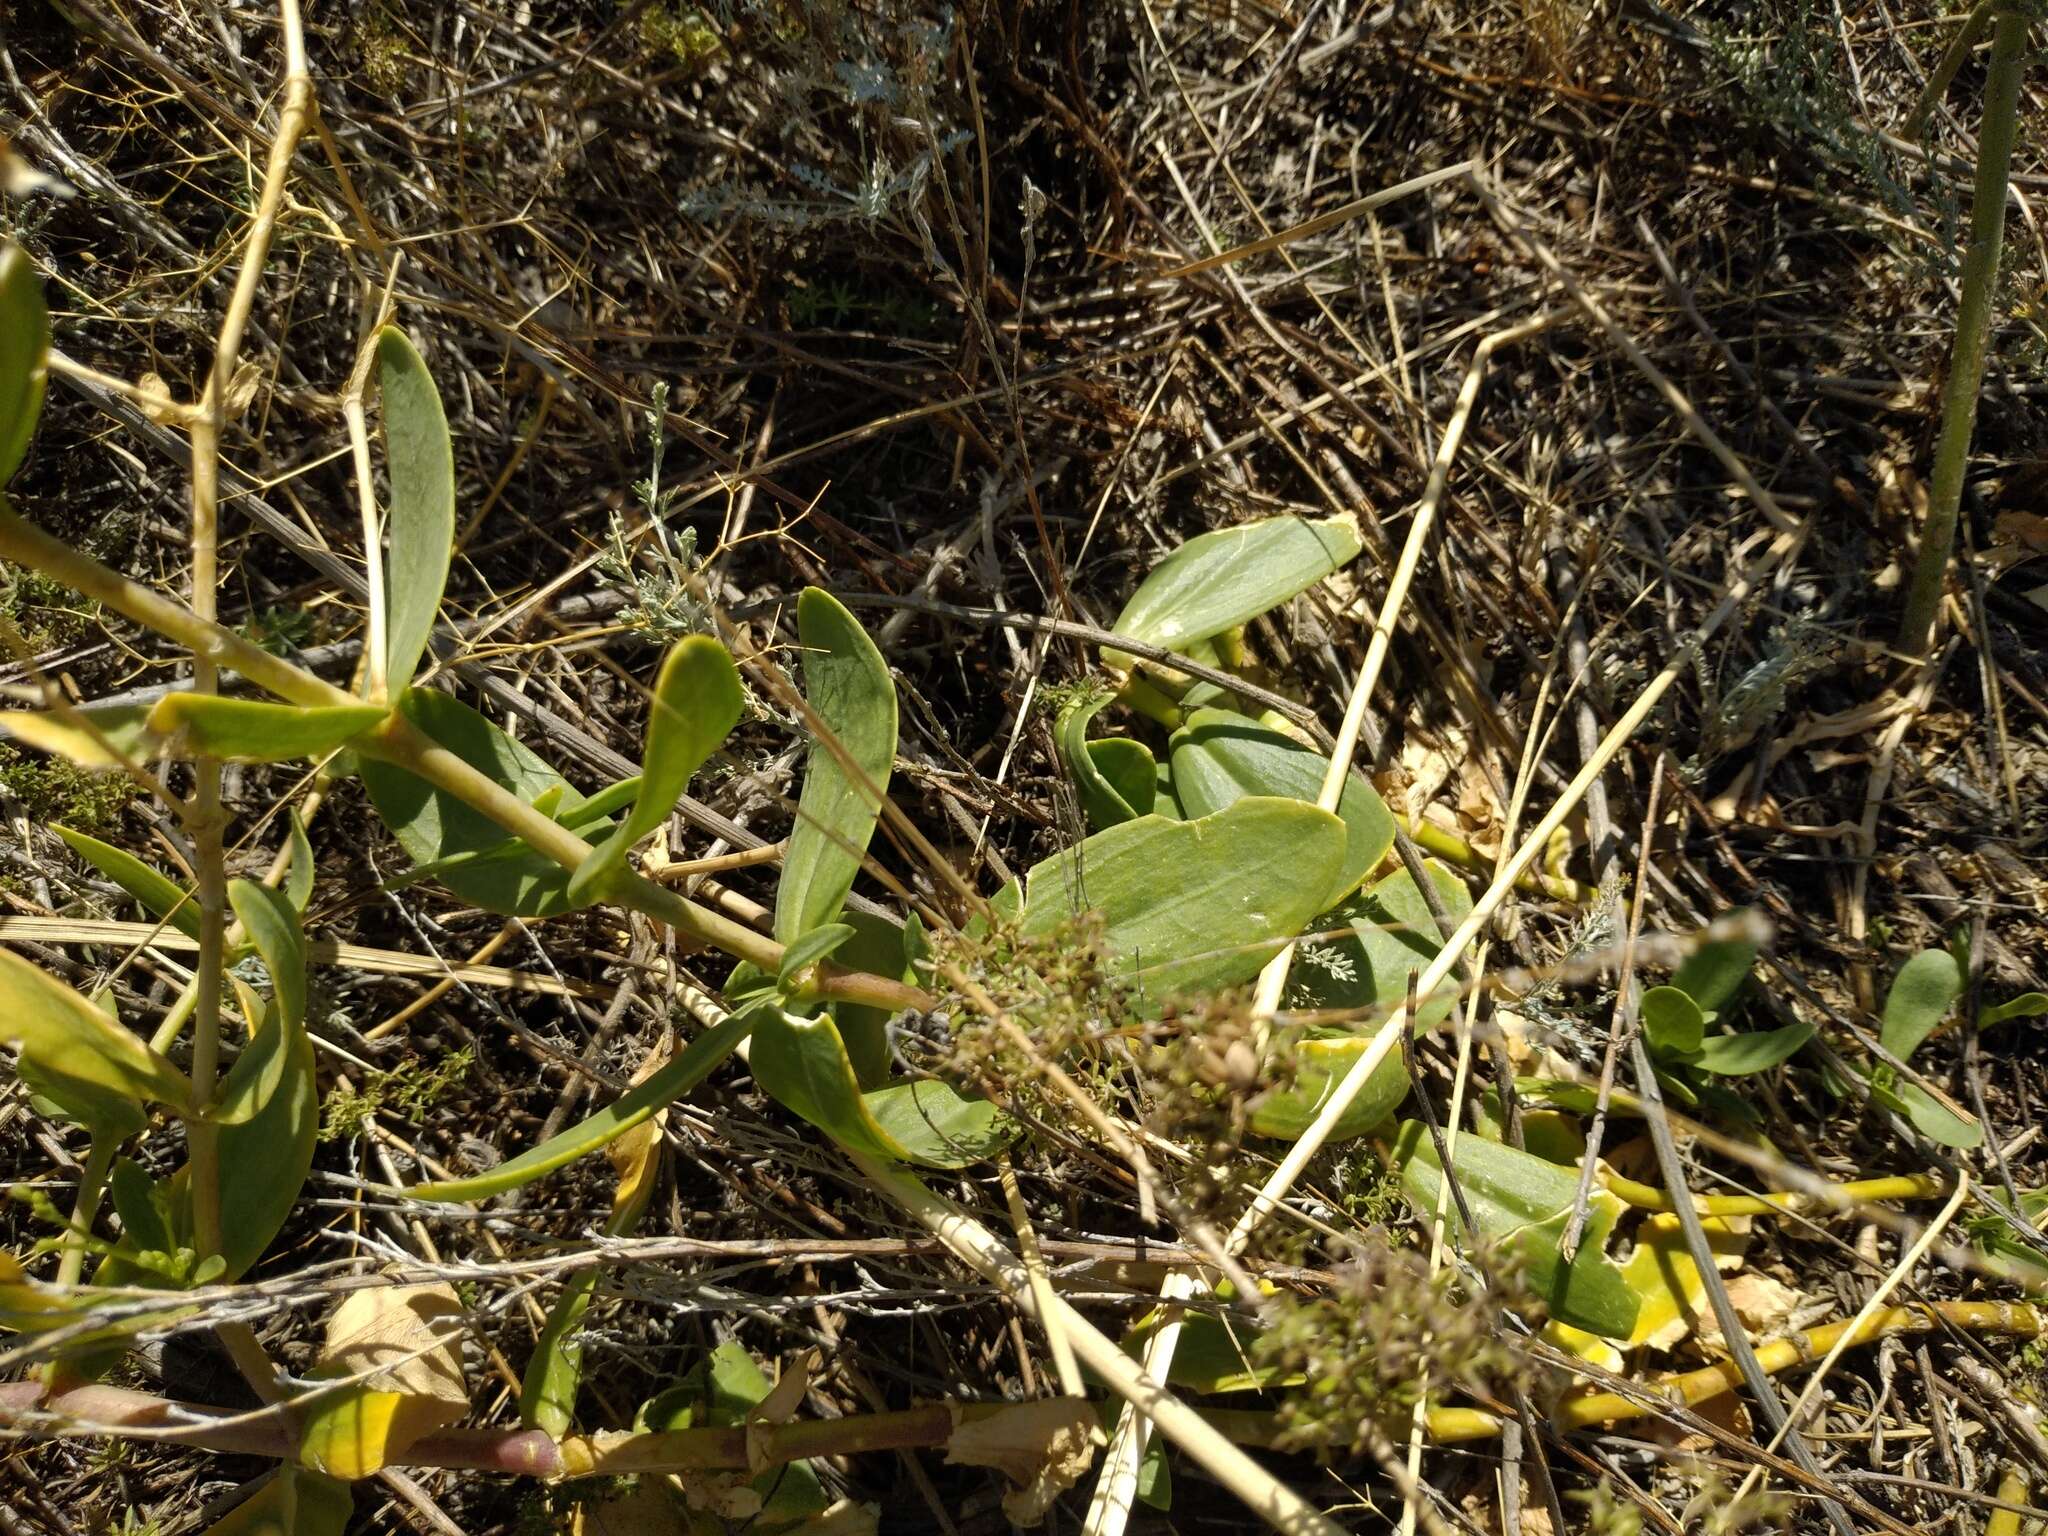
1220,757
1392,936
1129,768
1933,1119
848,687
162,896
1673,1025
297,1501
720,1392
935,1126
24,356
298,876
670,1082
255,731
139,1202
1193,906
436,828
1757,1051
1105,801
809,950
1520,1201
1220,580
1714,972
554,1375
2028,1005
1922,994
79,1051
880,948
91,736
267,1152
697,701
422,517
802,1064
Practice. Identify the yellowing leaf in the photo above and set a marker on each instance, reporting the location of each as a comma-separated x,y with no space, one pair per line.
295,1502
91,736
72,1043
408,1338
1661,1272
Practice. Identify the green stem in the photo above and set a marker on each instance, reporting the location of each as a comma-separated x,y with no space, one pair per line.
85,1207
1973,329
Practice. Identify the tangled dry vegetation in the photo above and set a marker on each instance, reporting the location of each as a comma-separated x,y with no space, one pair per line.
970,316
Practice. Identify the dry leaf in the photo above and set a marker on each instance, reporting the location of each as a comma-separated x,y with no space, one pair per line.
1043,1447
156,401
409,1338
778,1407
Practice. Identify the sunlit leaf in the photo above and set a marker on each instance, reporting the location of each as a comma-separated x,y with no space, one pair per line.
1715,971
547,1397
1191,906
1673,1025
677,1077
1220,757
421,521
91,735
1926,987
298,878
1106,801
77,1049
24,356
435,827
848,687
1755,1051
161,895
1667,1283
807,951
411,1337
1385,935
1930,1117
296,1501
2028,1005
266,1153
1522,1202
802,1064
1217,581
254,730
697,701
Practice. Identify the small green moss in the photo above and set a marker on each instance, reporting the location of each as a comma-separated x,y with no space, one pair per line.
48,613
407,1091
49,789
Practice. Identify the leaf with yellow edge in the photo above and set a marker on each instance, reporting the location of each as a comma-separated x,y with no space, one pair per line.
74,1044
90,736
256,730
1661,1272
295,1502
408,1338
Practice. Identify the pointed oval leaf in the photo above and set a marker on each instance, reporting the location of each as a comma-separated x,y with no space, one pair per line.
1217,581
162,896
1219,757
24,356
547,1391
255,730
677,1077
1192,906
1755,1051
1922,994
697,701
90,736
75,1046
2028,1005
802,1065
1715,971
421,461
807,951
1518,1199
298,876
848,687
1673,1025
470,851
